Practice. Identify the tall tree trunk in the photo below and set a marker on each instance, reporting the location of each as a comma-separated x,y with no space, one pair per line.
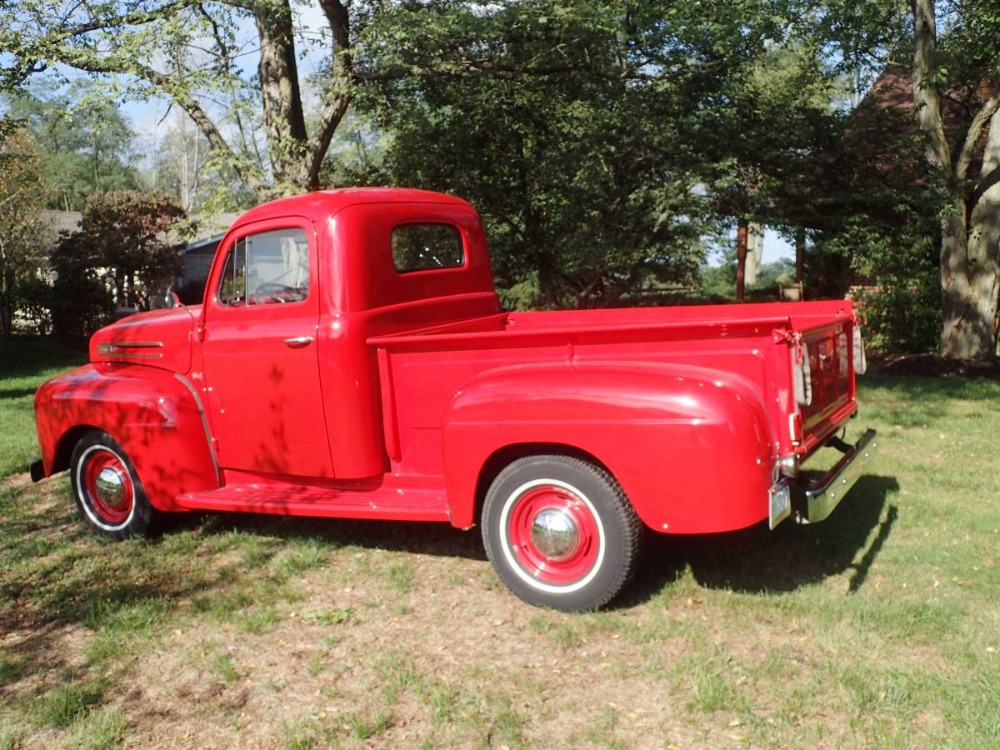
969,273
284,120
742,232
800,255
970,230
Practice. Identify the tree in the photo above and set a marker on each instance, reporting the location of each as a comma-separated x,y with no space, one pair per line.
193,53
600,140
120,256
965,155
22,195
182,163
522,109
85,142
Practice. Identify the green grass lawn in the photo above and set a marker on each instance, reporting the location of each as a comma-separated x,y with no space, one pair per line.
24,365
878,628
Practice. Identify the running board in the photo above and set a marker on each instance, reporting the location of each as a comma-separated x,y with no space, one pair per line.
388,503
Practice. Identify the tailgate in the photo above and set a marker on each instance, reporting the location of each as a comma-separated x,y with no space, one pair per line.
831,380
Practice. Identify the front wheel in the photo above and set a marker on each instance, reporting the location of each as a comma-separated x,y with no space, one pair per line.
560,532
107,490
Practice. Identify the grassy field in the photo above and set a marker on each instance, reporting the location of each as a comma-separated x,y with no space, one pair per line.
24,364
879,628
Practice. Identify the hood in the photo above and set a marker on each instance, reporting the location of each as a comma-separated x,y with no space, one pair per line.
160,338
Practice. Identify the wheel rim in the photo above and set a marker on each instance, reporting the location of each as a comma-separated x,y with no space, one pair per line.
107,487
553,535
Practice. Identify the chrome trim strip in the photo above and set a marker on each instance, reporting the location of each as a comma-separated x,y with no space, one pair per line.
115,349
824,494
204,424
131,355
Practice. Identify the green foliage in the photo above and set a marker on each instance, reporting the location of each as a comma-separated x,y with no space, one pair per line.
901,311
85,143
121,256
882,238
600,141
195,55
22,194
33,300
82,301
184,166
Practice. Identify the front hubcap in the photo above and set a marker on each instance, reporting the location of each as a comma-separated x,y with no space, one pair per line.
107,487
110,486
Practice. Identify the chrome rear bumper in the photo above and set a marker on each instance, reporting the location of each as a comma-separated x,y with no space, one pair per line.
816,499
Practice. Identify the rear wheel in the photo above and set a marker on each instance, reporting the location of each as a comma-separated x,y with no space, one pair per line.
560,532
108,492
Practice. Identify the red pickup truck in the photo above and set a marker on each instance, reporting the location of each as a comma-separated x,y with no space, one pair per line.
351,360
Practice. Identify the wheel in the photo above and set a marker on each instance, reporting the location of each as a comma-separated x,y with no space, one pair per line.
107,490
560,532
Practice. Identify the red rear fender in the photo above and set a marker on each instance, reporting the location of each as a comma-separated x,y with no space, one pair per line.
691,447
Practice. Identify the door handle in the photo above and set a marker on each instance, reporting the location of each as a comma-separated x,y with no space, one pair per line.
299,341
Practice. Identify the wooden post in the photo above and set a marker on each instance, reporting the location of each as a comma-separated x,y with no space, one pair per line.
800,254
741,259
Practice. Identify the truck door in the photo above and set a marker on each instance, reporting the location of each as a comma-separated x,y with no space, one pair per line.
260,353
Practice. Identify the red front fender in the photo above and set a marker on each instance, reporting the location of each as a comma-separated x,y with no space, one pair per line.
155,415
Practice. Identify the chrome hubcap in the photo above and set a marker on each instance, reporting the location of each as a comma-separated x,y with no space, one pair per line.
110,486
555,534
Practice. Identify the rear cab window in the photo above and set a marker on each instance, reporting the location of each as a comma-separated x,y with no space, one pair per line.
427,247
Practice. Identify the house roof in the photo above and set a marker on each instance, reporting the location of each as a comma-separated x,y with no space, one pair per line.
53,225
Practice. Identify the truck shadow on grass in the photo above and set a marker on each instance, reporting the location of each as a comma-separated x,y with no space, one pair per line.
758,560
433,539
754,560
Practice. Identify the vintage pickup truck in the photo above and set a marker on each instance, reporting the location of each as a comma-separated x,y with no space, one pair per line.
351,360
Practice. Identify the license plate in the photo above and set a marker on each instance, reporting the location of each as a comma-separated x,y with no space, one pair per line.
781,503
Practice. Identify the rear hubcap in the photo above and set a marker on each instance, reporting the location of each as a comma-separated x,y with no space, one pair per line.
555,534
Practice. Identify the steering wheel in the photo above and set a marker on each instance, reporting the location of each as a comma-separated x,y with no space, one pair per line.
272,291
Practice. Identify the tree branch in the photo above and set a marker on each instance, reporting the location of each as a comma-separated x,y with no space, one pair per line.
332,115
135,18
982,117
344,77
170,86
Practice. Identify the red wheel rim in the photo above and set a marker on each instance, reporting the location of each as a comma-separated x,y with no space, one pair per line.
554,535
108,487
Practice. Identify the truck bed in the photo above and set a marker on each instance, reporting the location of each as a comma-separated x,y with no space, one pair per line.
425,368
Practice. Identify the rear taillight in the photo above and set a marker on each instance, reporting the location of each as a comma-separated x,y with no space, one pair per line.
843,365
801,374
795,428
860,363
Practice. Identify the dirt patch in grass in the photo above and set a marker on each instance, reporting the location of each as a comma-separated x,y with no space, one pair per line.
454,661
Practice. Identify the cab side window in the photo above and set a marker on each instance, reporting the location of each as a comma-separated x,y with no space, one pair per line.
266,268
